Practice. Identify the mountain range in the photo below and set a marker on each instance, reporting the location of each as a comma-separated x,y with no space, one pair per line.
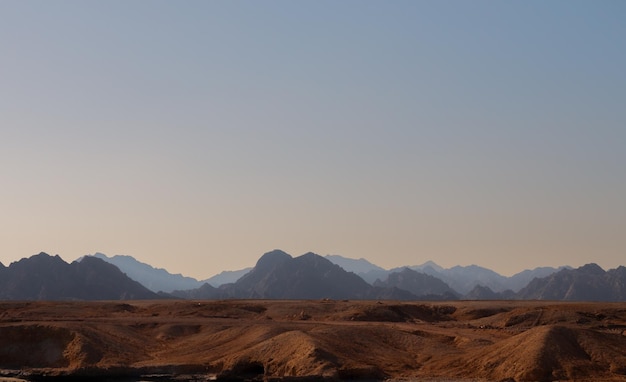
278,275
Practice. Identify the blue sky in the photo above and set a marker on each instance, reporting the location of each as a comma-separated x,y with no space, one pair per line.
197,135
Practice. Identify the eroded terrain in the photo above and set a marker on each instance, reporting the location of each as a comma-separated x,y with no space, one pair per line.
347,340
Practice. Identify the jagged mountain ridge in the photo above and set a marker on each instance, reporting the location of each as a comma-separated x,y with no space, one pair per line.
45,277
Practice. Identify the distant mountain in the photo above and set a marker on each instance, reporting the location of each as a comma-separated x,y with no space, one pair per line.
357,266
206,291
277,275
460,278
521,279
587,283
485,293
45,277
425,287
372,276
481,293
155,279
464,278
226,277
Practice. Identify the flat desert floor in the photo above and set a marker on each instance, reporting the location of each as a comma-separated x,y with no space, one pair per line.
314,340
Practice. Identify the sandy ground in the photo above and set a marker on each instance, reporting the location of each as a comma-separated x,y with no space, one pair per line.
347,340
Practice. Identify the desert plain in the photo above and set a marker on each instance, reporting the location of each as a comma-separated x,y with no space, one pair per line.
313,340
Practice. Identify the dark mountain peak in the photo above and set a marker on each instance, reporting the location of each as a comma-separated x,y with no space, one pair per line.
591,269
272,259
41,262
95,261
315,260
42,256
621,270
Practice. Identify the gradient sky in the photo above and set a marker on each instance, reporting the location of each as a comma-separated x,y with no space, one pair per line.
197,135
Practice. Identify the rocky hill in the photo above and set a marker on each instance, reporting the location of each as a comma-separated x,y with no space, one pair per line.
45,277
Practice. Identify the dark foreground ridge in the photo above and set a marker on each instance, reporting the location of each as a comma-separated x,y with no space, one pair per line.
254,340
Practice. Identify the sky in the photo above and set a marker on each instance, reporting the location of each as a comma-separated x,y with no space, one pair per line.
197,135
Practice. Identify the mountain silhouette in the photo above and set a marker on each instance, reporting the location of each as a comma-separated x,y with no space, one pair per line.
45,277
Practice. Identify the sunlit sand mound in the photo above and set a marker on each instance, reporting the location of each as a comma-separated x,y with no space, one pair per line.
544,353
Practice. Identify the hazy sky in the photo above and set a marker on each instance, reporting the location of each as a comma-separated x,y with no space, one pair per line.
197,135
